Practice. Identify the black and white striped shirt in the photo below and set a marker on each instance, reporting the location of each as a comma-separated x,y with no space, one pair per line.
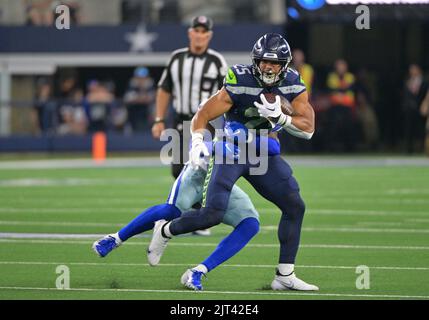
192,79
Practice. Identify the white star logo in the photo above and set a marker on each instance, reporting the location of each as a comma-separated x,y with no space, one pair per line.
141,40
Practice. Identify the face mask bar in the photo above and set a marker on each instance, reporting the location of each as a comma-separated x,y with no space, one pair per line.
269,78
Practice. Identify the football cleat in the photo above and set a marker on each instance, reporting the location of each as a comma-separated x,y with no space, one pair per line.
157,245
192,279
291,282
103,246
204,232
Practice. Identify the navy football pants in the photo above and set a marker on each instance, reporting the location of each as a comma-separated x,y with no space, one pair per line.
277,185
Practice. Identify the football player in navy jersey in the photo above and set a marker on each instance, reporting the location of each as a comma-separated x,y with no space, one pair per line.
242,101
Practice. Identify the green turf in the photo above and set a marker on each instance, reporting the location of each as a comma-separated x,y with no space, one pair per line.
372,216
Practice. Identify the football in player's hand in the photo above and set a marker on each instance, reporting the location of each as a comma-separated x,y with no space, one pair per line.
285,104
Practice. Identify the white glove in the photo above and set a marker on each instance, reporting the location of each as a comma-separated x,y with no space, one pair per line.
198,152
272,111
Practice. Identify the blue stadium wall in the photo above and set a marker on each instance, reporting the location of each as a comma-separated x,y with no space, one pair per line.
115,142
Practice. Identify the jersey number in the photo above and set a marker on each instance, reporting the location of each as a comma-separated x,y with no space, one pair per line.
242,69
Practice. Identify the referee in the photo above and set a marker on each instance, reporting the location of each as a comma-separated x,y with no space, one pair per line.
192,75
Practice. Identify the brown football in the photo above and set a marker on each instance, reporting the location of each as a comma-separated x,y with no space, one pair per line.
285,104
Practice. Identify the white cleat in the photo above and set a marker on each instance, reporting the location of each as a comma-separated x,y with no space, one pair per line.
191,279
291,282
103,246
157,244
185,277
203,233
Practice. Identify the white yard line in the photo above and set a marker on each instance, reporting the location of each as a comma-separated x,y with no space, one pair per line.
417,220
286,293
339,228
114,264
59,223
20,238
407,191
63,210
328,228
72,182
310,211
365,200
349,229
362,230
12,235
299,161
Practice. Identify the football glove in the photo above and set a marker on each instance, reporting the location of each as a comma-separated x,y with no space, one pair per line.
272,112
199,152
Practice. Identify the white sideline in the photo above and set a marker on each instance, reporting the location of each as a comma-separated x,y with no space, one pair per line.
288,293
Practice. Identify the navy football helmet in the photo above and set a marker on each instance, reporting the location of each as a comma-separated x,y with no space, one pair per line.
271,47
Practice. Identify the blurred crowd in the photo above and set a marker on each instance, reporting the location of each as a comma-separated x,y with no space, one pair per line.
352,111
94,12
347,118
345,107
43,13
76,110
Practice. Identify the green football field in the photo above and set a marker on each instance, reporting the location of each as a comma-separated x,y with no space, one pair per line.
373,218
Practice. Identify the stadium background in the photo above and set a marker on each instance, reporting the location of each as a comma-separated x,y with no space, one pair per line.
97,47
371,200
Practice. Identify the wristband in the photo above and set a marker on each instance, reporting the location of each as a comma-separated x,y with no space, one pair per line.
197,137
159,120
285,120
